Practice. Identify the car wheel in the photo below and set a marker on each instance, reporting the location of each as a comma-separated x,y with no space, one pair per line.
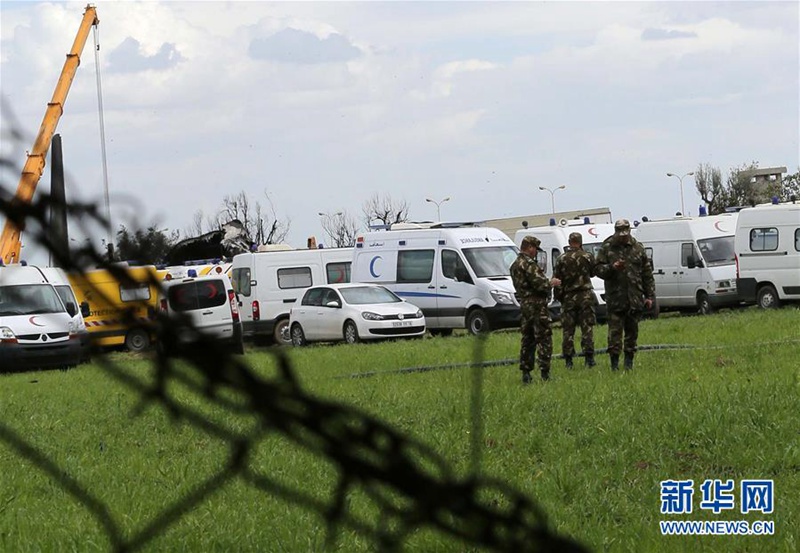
137,340
281,332
477,322
441,331
350,332
767,297
298,336
704,304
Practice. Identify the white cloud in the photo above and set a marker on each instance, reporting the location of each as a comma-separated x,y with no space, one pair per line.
471,100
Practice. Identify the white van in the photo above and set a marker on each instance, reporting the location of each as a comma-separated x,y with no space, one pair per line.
555,240
459,277
36,328
693,262
268,284
58,278
767,249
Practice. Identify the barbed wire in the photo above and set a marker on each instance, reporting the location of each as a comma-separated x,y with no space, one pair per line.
407,481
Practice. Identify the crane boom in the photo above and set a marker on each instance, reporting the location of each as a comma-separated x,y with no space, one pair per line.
10,244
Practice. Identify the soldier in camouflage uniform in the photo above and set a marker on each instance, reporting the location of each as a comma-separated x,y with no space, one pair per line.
533,292
623,264
574,268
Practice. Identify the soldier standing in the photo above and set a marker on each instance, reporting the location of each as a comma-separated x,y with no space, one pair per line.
533,292
574,268
623,264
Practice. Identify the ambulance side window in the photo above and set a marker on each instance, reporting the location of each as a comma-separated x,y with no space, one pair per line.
415,266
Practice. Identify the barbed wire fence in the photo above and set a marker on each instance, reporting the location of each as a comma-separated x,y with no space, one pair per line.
411,485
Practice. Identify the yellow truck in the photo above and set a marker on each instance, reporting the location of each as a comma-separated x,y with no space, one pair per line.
120,313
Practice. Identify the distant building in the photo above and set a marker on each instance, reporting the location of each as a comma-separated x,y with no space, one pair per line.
766,182
510,225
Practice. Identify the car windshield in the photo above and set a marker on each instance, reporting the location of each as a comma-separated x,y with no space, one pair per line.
717,251
27,299
494,261
362,295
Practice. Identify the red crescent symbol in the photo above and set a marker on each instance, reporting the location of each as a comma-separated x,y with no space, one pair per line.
593,231
716,226
34,323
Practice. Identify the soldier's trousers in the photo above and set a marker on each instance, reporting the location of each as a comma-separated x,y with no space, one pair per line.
578,310
537,336
619,322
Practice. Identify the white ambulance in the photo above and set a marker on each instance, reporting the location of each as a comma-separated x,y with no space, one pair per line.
767,249
694,267
36,328
269,283
458,275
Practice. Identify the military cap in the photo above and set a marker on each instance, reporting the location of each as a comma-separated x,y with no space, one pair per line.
531,241
576,237
622,227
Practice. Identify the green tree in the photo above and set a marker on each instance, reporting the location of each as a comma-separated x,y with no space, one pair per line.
791,187
145,246
736,191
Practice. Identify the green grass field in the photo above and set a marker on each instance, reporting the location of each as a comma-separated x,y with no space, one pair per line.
590,446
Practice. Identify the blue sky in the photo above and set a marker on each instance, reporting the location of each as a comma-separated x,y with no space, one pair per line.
320,105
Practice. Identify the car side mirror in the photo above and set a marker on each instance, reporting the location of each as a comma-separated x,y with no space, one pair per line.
333,303
71,309
85,311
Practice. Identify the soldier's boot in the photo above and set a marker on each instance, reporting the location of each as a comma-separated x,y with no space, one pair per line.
589,360
614,361
568,361
545,374
526,377
628,361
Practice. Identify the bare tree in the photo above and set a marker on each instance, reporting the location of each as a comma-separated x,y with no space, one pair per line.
385,209
341,228
262,226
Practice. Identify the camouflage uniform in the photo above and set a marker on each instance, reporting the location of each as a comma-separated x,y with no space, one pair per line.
533,291
626,291
574,269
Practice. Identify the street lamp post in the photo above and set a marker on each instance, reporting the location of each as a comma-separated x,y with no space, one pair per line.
438,206
680,181
553,195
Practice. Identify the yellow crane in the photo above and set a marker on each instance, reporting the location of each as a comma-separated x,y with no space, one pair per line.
10,244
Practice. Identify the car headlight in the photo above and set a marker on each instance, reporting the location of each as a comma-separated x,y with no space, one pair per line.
504,298
723,284
418,314
368,315
7,335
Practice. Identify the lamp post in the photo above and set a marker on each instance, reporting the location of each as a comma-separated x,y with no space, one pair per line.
553,195
680,181
438,206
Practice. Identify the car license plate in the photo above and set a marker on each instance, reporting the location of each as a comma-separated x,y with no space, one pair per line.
402,323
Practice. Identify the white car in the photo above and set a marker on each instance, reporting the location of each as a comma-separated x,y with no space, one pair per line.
353,312
209,306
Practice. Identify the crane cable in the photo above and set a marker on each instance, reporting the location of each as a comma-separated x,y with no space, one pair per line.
102,134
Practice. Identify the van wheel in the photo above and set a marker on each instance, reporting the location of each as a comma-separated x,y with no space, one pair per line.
704,304
477,322
137,340
281,332
298,336
767,297
351,332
